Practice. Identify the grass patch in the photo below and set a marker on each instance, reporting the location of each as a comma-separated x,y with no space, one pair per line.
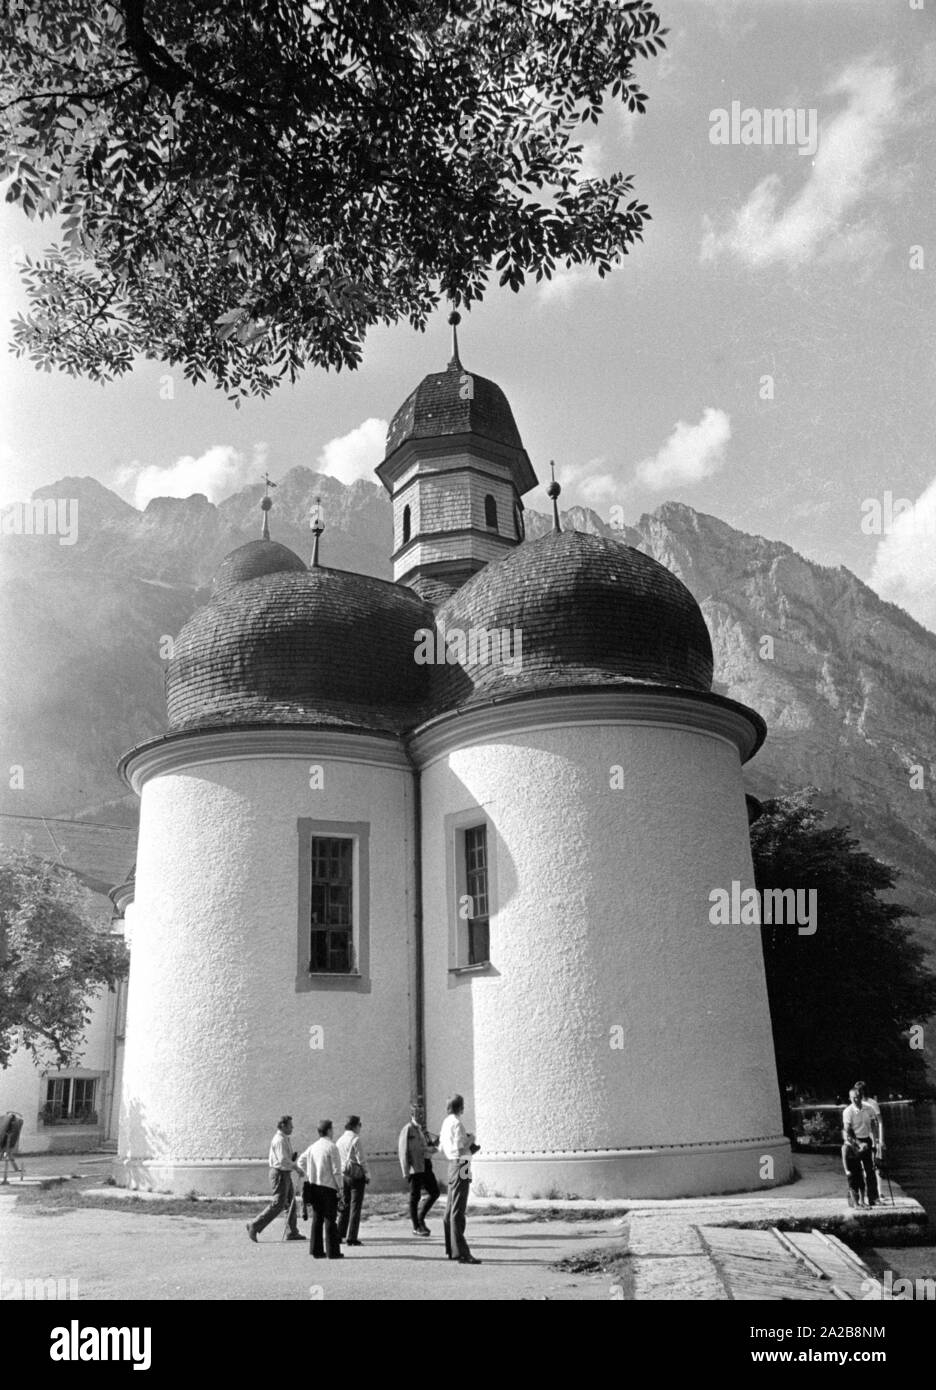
614,1263
57,1195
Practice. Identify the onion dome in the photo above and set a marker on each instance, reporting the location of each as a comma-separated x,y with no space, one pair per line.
254,559
578,610
442,405
320,646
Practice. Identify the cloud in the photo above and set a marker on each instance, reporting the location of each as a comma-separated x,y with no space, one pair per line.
356,454
217,473
691,452
844,170
591,484
904,569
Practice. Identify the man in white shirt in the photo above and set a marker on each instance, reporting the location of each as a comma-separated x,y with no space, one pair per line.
282,1167
321,1164
859,1133
457,1145
355,1178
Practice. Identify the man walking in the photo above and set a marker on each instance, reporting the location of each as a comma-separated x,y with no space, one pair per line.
321,1164
457,1145
413,1147
282,1167
859,1134
355,1178
10,1126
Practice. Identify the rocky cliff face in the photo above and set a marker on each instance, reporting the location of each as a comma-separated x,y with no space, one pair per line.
846,682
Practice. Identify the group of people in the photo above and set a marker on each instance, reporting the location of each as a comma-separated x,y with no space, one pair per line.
334,1177
862,1146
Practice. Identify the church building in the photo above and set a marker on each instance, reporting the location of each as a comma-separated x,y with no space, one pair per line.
453,832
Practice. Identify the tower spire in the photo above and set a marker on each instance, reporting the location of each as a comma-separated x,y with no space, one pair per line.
553,491
317,523
454,319
266,502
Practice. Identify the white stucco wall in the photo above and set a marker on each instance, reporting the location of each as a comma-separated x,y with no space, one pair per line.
601,902
218,1037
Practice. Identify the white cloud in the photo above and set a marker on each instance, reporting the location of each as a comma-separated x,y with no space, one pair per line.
850,147
591,484
217,473
691,452
356,454
565,282
904,569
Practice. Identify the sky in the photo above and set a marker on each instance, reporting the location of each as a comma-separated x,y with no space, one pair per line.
766,355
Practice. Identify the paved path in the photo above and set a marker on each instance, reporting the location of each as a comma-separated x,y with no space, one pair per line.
121,1254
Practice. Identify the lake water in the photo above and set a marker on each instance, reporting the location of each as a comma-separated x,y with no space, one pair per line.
910,1131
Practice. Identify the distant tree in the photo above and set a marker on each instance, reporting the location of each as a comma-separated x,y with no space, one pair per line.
245,188
55,956
844,999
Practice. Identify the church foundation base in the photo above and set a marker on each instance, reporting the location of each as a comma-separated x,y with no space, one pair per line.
237,1178
697,1170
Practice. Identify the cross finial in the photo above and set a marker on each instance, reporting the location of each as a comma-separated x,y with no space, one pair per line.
454,319
553,491
266,502
317,522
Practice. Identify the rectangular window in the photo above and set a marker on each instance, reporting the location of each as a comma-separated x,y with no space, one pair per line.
331,910
476,884
70,1100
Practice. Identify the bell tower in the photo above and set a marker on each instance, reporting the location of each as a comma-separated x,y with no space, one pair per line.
457,471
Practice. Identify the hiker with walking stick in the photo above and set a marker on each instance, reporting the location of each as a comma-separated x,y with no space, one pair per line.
282,1166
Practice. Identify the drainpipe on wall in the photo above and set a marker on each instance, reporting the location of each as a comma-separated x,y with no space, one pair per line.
419,1039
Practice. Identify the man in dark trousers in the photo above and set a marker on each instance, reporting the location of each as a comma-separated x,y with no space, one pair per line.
355,1178
282,1166
414,1147
859,1134
457,1145
321,1164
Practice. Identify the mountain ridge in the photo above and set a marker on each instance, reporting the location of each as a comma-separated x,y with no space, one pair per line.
849,681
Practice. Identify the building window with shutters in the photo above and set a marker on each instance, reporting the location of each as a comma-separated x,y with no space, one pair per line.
333,931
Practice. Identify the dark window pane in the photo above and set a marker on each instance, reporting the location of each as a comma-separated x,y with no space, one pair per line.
479,948
331,905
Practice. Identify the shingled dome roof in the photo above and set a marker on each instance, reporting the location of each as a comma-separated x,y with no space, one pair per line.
589,611
454,402
254,559
323,646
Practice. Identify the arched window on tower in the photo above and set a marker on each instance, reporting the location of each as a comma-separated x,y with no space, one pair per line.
406,524
490,513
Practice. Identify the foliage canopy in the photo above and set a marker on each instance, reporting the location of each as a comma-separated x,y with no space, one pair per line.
244,187
842,1001
55,956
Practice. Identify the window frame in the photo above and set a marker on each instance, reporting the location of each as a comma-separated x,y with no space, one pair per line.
58,1112
358,977
457,826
